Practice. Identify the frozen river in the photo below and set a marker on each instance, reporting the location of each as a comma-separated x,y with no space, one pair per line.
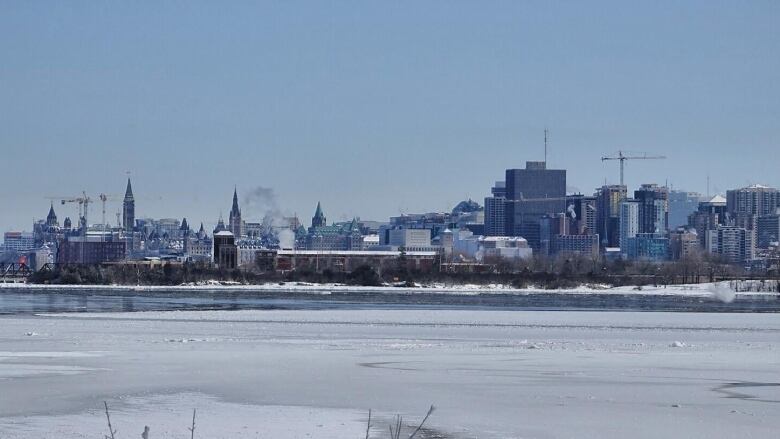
314,373
49,299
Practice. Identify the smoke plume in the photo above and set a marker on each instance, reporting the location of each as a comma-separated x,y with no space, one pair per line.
260,202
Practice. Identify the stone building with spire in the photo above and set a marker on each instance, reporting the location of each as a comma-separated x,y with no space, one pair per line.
47,231
51,218
318,220
338,236
220,226
235,225
198,246
128,209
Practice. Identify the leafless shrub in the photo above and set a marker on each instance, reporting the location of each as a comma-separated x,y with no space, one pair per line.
396,426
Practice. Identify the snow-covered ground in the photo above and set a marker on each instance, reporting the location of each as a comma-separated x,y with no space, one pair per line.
696,290
314,374
170,416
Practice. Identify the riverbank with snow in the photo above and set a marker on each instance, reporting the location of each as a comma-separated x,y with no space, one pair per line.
701,290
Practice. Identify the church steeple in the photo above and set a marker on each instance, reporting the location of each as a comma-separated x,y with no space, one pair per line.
235,210
234,220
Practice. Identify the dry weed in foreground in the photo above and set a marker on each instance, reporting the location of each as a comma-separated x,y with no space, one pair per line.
395,427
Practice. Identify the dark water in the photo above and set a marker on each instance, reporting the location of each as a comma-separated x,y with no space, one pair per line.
29,300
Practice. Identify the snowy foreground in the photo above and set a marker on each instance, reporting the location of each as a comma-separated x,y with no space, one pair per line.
314,374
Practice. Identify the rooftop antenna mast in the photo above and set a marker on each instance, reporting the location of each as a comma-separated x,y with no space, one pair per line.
545,147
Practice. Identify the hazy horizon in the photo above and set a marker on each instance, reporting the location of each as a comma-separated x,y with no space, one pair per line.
375,109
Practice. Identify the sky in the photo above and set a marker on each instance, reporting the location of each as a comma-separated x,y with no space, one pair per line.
374,108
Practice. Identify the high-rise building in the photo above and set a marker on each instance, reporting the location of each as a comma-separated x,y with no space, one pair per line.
532,193
536,182
753,200
681,205
735,244
648,246
128,209
495,219
551,226
583,213
768,230
709,215
653,208
746,205
234,220
683,243
608,200
629,223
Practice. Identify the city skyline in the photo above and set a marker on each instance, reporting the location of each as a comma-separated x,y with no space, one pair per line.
268,206
483,219
334,104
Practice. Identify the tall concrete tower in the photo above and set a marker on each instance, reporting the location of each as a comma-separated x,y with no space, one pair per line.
128,209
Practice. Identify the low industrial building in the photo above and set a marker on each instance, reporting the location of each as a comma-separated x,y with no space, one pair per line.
344,260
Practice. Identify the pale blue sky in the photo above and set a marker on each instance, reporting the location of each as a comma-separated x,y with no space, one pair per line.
375,107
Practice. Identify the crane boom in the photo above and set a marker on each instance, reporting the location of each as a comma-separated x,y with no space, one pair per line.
622,158
84,201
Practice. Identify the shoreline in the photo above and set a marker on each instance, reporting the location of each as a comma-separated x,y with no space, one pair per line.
716,290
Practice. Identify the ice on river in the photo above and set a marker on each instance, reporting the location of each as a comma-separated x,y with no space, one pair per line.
299,374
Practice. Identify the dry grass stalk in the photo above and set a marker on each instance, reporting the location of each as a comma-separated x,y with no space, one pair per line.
397,424
192,429
419,427
368,425
111,430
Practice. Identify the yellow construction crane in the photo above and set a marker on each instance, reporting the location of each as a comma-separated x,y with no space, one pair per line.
622,158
